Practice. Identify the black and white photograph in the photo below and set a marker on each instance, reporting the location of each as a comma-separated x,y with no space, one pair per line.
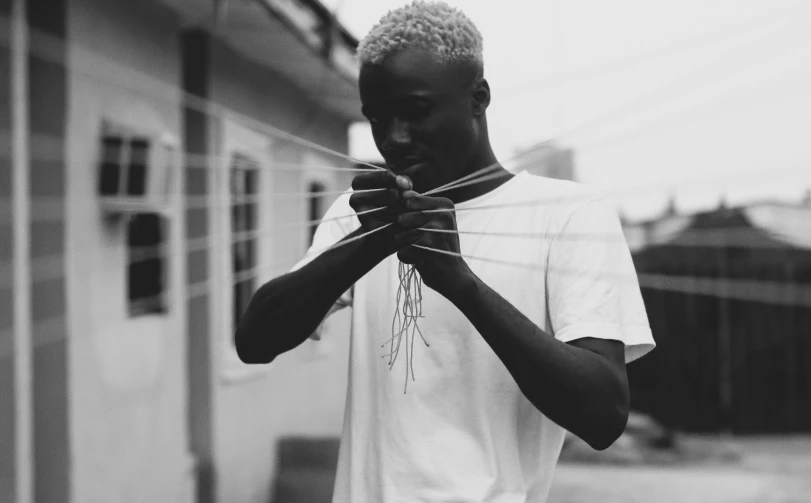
405,251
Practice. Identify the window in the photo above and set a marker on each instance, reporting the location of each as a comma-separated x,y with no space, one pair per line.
244,176
146,271
316,205
124,161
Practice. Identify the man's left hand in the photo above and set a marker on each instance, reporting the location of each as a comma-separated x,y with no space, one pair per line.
442,272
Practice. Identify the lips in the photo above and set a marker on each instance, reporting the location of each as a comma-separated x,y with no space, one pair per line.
406,166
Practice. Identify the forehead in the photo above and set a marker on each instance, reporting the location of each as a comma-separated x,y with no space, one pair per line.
411,71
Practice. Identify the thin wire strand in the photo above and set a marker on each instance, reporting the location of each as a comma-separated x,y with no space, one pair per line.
682,82
207,106
204,104
51,269
772,292
747,290
203,201
216,162
680,85
275,131
188,99
687,238
687,44
759,291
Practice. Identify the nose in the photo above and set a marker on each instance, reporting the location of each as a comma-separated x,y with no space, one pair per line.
397,137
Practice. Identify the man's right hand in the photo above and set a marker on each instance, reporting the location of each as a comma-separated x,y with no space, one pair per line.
390,200
298,301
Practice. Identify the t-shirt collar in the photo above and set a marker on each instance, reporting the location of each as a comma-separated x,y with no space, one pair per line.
479,200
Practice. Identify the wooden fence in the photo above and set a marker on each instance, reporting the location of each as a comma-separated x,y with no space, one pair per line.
726,364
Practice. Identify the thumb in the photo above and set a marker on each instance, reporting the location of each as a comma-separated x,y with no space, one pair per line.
403,182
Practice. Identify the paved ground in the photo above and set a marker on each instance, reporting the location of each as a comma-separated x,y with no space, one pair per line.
771,471
604,484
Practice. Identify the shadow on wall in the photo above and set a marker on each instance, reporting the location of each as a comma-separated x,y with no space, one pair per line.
306,470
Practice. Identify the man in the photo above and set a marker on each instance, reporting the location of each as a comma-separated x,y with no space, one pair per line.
517,355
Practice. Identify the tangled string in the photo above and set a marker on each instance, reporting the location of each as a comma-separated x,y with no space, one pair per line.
404,323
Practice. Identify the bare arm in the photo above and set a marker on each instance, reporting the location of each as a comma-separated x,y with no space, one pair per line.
581,386
284,312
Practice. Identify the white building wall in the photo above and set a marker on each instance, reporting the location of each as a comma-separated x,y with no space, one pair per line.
127,384
128,390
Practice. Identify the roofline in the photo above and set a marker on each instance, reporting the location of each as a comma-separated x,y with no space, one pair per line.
750,204
320,32
324,12
328,21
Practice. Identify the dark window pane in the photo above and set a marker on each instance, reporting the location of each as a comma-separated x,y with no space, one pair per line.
146,269
251,175
250,253
236,218
237,250
242,296
249,211
110,166
315,203
136,176
244,255
144,230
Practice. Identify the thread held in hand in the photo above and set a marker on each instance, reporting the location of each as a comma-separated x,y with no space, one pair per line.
405,321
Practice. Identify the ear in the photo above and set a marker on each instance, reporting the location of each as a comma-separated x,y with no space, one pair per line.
480,96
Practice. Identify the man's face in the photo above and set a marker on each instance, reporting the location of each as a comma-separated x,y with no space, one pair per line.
421,116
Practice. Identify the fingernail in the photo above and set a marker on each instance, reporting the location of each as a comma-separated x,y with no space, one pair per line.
403,182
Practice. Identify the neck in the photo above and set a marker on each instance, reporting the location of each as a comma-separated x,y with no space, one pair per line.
484,159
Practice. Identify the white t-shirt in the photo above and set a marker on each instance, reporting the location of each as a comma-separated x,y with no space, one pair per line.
464,432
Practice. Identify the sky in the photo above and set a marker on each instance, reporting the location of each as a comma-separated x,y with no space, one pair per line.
697,100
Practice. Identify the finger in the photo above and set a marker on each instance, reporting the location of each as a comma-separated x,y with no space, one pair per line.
408,194
420,203
413,219
387,197
374,180
410,255
408,237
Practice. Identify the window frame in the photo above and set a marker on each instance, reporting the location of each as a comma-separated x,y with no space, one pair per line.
245,246
311,160
157,173
311,174
238,139
314,203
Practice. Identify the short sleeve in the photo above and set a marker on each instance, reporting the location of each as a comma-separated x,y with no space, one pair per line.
592,285
331,230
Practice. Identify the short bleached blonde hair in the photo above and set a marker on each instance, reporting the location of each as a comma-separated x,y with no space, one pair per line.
434,26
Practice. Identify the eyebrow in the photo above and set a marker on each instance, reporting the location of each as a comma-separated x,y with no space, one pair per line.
416,96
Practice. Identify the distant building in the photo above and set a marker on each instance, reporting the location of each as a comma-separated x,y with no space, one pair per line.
152,194
549,161
728,295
